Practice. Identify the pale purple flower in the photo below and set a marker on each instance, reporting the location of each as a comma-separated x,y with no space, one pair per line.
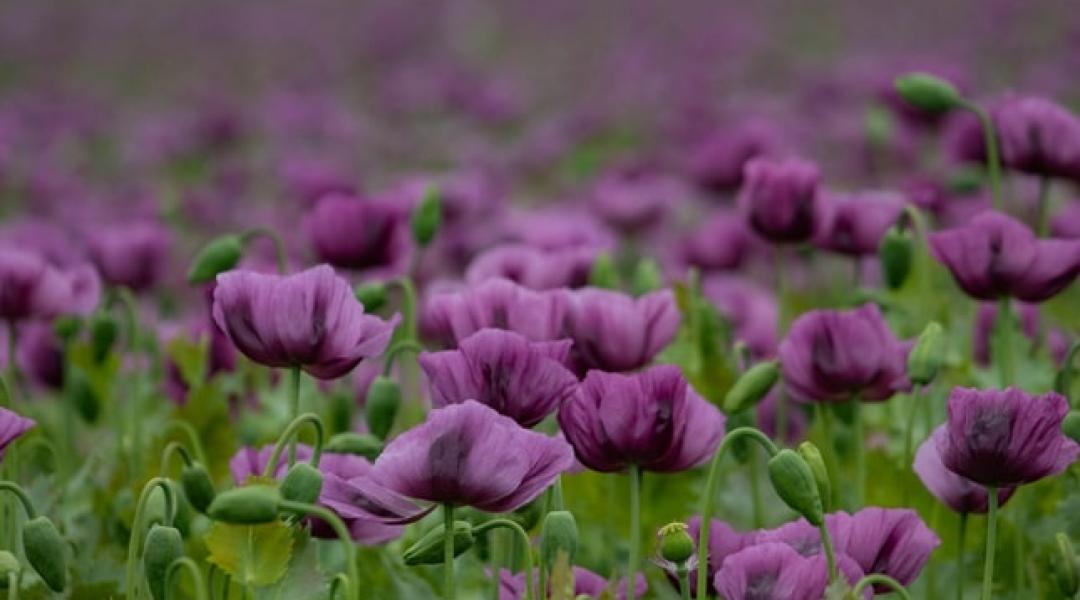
613,331
958,493
452,316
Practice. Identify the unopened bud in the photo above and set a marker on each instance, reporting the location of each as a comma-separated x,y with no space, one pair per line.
927,92
428,550
647,277
381,406
104,330
751,387
302,483
371,295
895,253
794,483
926,357
559,534
219,255
604,273
67,327
198,487
347,442
427,217
45,551
163,545
248,505
9,565
81,395
676,545
812,455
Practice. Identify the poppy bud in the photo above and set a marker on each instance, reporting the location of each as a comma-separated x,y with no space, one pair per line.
248,505
604,273
371,295
647,277
1070,425
927,92
812,455
428,550
1064,567
81,395
559,534
751,387
427,217
895,253
380,409
45,551
795,484
302,483
926,357
365,445
103,333
219,255
67,327
163,545
8,564
676,545
198,487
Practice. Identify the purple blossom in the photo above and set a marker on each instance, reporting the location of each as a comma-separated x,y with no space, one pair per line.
12,426
354,233
30,287
855,224
957,492
586,583
132,255
532,267
751,309
494,303
771,571
613,331
721,242
780,199
1038,136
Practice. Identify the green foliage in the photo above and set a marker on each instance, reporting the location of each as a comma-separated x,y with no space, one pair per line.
256,555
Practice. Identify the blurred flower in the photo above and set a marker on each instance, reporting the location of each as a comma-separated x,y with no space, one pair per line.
613,331
311,179
1066,222
958,493
131,255
780,199
532,267
30,287
1039,137
768,422
12,426
985,322
855,224
721,242
751,310
717,162
41,354
586,584
354,233
452,316
634,203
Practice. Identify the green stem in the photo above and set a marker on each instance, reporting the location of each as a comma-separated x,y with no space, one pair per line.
860,454
289,437
960,556
20,493
196,578
635,531
170,449
830,555
523,536
336,583
993,164
684,583
294,411
279,245
408,307
991,541
13,586
1004,348
193,437
135,541
755,493
448,552
878,578
405,345
829,450
1042,221
343,535
909,434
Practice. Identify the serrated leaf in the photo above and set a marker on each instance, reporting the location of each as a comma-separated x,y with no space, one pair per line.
304,580
255,555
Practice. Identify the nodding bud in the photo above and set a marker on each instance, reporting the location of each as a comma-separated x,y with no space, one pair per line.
371,295
163,546
219,255
428,550
198,487
1070,425
558,535
1064,567
104,330
926,357
927,92
795,484
81,394
751,387
347,442
248,505
647,277
812,455
302,483
604,273
427,217
9,564
45,551
381,406
67,327
676,545
895,253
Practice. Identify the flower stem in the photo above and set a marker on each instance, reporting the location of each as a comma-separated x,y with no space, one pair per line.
331,518
860,454
1004,349
993,164
909,434
289,435
448,552
13,586
829,449
755,493
294,409
635,531
830,554
196,578
991,540
1042,219
960,556
684,583
135,541
878,578
523,536
20,493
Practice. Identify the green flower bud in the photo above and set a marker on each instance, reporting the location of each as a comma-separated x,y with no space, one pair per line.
927,92
82,395
1070,425
879,125
8,564
381,407
751,387
104,329
427,217
896,253
371,295
248,505
812,455
67,327
676,545
302,483
966,180
219,255
559,534
163,545
428,550
365,445
647,277
795,484
198,487
45,551
1064,567
604,273
926,357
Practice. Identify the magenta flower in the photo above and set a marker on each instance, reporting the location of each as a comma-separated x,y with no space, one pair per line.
523,380
495,303
131,255
353,233
632,204
717,162
780,199
721,242
854,225
532,267
1038,136
652,419
30,287
12,426
613,331
771,571
751,310
41,354
723,542
586,584
1005,437
958,493
995,255
309,320
836,355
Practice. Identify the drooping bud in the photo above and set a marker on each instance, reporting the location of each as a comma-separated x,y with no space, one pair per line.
751,387
1070,425
927,92
45,551
198,487
302,483
371,295
604,273
895,253
676,545
926,357
812,455
795,484
647,277
381,407
1064,567
163,545
248,505
558,534
347,442
219,255
9,564
67,327
104,329
427,217
428,550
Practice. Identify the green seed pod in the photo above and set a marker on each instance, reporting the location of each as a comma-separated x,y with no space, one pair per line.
381,407
427,217
927,92
795,484
1070,426
104,329
751,387
302,483
82,395
248,505
926,357
45,551
676,545
604,273
896,253
647,277
219,255
428,550
8,564
1064,567
559,534
198,487
812,455
67,327
347,442
163,545
371,295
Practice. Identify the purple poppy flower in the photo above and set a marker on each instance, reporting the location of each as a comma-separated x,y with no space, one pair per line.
532,267
958,493
652,419
723,542
986,317
836,355
310,179
779,199
1066,222
767,420
131,255
717,162
613,331
854,225
586,584
30,287
1005,437
309,320
722,242
995,255
495,303
771,571
41,355
353,233
523,380
751,309
632,204
459,456
1038,136
12,426
558,228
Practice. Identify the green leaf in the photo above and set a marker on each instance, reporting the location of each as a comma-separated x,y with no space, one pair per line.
304,580
252,554
189,357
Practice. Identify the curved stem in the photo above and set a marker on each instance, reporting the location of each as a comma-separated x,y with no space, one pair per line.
192,569
878,578
408,306
635,531
830,554
526,543
170,449
193,437
709,499
131,315
14,488
405,345
279,245
991,541
343,535
684,583
135,542
448,552
289,436
993,164
960,556
338,582
13,586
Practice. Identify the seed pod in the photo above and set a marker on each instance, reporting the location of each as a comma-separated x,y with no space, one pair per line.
104,330
381,407
604,273
248,505
751,387
559,534
1070,425
163,545
647,277
794,483
428,550
371,295
365,445
302,483
8,564
812,455
927,92
219,255
198,487
896,252
45,551
676,545
427,217
926,357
